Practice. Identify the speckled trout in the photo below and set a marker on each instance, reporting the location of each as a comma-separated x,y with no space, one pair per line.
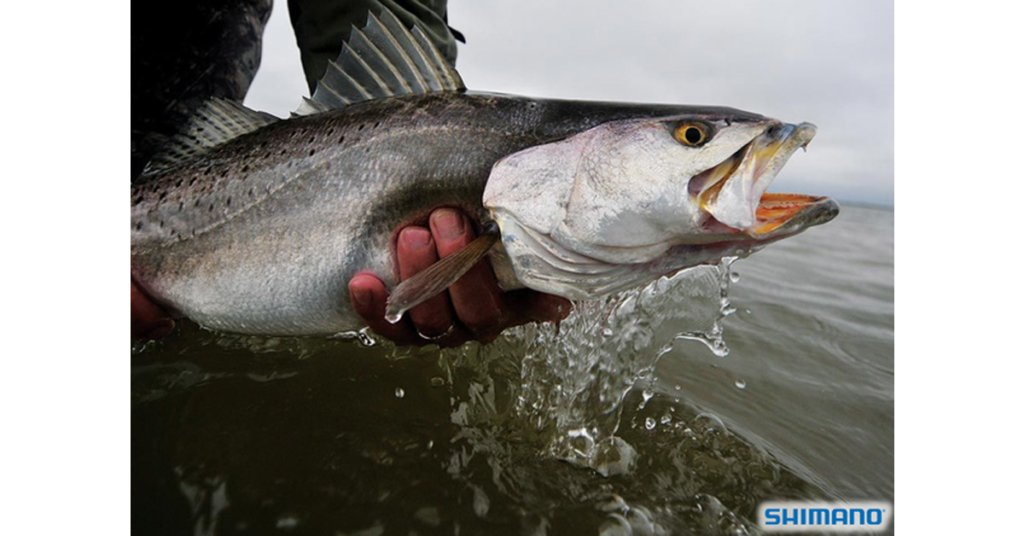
253,224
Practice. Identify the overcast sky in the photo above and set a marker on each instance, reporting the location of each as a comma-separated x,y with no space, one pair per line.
826,62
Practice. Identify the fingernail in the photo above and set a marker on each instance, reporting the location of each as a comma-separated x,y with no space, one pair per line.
416,237
448,223
160,330
362,296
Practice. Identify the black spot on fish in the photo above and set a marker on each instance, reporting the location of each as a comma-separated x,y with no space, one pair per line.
312,152
211,208
330,131
181,206
138,226
228,202
250,192
377,124
341,139
312,139
245,169
360,127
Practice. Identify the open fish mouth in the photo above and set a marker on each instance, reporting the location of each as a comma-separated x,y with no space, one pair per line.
732,195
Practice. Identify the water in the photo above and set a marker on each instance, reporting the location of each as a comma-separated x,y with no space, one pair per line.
612,424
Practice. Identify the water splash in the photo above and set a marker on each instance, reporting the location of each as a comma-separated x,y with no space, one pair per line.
713,337
364,337
573,382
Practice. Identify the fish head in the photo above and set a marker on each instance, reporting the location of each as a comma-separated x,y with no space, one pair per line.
633,199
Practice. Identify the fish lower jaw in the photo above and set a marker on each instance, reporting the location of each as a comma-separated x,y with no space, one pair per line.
777,215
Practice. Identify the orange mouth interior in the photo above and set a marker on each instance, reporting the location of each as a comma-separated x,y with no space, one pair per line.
775,210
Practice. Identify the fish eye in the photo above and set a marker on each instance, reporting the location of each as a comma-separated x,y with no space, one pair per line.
692,134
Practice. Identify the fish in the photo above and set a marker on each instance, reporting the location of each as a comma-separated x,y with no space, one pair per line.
253,224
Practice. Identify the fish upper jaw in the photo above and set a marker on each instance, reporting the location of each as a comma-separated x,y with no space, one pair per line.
730,192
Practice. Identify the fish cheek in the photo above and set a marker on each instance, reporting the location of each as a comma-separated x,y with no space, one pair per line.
627,194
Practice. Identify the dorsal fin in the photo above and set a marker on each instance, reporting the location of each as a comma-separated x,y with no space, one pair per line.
382,60
215,122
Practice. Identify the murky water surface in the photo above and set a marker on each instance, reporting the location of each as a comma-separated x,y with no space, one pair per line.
623,421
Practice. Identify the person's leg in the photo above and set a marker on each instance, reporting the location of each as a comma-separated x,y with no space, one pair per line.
183,53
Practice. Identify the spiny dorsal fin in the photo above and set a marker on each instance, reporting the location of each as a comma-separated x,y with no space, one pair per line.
215,122
382,60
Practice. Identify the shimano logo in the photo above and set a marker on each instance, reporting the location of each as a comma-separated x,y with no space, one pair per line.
801,516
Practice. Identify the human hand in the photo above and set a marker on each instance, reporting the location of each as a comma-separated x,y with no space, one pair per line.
474,308
149,321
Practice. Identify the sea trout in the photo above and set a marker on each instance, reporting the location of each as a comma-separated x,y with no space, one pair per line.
255,225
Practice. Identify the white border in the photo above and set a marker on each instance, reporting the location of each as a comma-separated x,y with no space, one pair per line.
958,284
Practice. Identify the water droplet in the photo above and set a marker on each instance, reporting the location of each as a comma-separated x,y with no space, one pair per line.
365,338
613,456
649,423
287,522
581,442
647,394
607,332
393,318
677,387
436,381
481,502
734,277
666,419
399,392
740,384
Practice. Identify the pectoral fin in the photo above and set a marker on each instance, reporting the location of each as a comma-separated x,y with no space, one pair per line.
439,276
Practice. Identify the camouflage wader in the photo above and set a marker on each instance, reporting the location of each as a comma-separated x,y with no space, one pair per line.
186,52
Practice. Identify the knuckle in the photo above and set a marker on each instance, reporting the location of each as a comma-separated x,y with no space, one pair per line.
485,323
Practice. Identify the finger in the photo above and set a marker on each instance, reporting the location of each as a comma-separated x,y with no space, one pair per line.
476,296
416,252
148,320
369,298
533,306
